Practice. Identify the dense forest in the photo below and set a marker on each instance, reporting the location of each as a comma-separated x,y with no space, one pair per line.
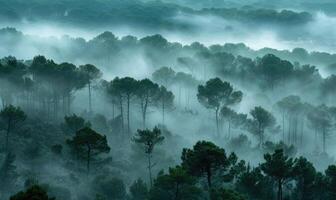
167,100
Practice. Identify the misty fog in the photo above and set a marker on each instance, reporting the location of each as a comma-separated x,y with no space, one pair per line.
167,100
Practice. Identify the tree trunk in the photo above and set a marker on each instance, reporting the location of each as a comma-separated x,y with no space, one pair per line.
209,177
177,191
283,126
324,139
217,127
121,115
7,134
260,135
128,115
144,112
88,159
163,111
302,129
90,102
150,169
279,189
229,127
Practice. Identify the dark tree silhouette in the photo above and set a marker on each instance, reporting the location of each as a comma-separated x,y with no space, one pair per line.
263,119
205,158
280,167
147,94
88,144
165,101
34,192
74,123
90,74
11,116
215,94
149,139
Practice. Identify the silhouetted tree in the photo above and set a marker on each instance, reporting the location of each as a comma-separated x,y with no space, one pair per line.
74,123
147,94
149,139
34,192
263,119
165,101
90,74
11,116
164,76
280,167
215,94
204,159
177,185
88,144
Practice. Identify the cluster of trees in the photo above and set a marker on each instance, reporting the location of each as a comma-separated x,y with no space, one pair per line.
271,67
38,126
208,172
43,85
144,92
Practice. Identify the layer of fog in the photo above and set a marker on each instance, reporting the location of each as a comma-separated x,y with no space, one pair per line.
317,35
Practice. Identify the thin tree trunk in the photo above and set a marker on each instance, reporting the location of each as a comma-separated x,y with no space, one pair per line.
324,139
163,111
209,177
279,189
229,127
128,115
144,112
122,115
88,159
177,191
302,129
283,126
150,170
7,134
217,127
90,102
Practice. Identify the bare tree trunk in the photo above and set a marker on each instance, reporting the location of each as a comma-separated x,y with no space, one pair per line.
7,134
121,115
177,191
90,96
324,139
128,115
279,189
150,169
88,159
163,111
209,174
217,127
283,126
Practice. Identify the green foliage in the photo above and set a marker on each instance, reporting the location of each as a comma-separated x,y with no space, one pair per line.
110,188
216,93
177,184
255,185
138,190
8,173
262,119
226,194
11,116
74,123
164,76
33,193
87,144
278,166
205,159
149,139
